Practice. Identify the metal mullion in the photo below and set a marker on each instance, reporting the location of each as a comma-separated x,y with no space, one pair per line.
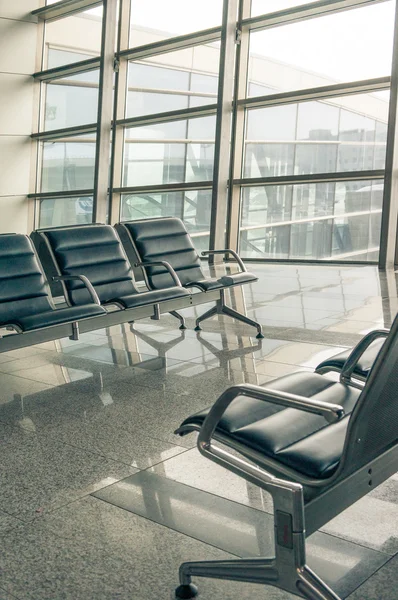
119,112
388,232
165,187
164,117
104,120
62,194
171,44
303,12
64,8
65,132
238,128
318,93
83,66
219,205
311,178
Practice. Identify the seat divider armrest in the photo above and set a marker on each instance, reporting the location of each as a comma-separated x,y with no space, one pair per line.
161,263
83,279
357,352
227,251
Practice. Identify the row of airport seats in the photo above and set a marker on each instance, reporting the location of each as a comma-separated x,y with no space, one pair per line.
93,264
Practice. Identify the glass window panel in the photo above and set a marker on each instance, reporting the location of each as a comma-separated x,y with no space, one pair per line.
74,38
340,221
193,207
71,102
266,204
262,7
68,165
65,211
154,20
187,73
324,50
153,157
345,134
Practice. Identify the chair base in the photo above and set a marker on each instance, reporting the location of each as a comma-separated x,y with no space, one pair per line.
222,309
185,592
177,315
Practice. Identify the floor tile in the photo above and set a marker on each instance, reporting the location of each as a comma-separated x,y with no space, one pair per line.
237,529
39,473
382,586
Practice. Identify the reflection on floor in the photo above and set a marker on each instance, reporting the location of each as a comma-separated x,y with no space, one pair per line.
100,500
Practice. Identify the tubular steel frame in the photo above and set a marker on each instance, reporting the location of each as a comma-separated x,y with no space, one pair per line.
232,105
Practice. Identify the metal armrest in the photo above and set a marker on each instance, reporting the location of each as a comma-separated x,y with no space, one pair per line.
331,412
164,264
227,251
357,352
83,279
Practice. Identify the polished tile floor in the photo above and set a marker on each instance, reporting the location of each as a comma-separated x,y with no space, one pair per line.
98,498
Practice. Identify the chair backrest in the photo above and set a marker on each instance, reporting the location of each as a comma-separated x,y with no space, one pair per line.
23,288
373,426
164,239
96,252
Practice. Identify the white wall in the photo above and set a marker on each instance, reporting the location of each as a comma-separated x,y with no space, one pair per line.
18,43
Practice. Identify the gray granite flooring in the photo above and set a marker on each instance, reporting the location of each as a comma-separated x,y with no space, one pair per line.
80,421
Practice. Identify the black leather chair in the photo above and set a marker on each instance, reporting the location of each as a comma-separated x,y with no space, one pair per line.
96,252
25,303
166,239
365,363
316,445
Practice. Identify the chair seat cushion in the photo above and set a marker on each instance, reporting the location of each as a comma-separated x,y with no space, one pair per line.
212,283
364,364
296,439
59,316
152,297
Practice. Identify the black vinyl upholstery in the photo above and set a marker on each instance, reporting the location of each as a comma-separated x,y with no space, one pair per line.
297,439
24,298
364,364
96,252
167,239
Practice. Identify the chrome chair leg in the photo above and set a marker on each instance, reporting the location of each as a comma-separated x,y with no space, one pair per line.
207,315
177,315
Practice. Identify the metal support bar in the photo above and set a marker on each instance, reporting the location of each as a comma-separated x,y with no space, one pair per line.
389,229
75,334
65,132
105,101
304,11
83,66
119,112
171,44
335,90
63,194
166,187
177,315
64,8
311,178
165,117
223,126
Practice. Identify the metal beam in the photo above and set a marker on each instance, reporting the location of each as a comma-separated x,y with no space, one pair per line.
119,112
303,12
65,132
323,92
311,178
82,66
166,187
171,44
165,117
64,8
238,127
219,205
105,105
63,194
389,230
